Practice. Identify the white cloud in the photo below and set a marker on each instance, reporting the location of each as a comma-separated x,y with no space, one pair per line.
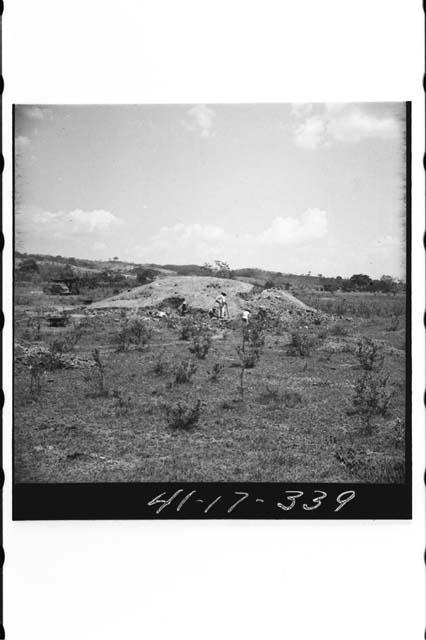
356,124
311,225
323,124
201,119
77,222
37,113
310,133
198,243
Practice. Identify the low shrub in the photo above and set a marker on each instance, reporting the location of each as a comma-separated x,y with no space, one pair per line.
370,355
185,371
134,332
338,329
371,397
216,371
301,344
160,364
287,397
201,343
95,377
187,329
183,415
122,401
394,323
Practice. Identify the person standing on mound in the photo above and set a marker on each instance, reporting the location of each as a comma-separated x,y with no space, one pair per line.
222,305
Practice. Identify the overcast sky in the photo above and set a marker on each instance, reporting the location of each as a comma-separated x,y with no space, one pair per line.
292,188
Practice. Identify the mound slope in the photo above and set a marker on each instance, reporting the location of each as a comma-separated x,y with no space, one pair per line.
200,292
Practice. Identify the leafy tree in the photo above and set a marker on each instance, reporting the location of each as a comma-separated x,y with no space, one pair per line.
219,269
360,281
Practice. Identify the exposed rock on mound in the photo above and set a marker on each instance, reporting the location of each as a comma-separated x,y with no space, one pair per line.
277,300
200,293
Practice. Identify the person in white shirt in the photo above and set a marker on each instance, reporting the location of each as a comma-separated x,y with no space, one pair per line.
245,316
222,304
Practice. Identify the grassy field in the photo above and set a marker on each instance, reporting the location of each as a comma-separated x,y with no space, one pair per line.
296,420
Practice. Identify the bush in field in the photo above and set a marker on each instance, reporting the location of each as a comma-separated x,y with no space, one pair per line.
395,433
249,357
122,401
287,397
66,343
301,344
394,323
185,371
371,397
183,415
33,328
134,332
201,343
338,329
370,355
96,376
187,329
216,371
160,365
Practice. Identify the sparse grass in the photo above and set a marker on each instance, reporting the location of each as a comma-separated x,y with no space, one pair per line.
185,371
338,329
216,371
104,438
371,397
201,343
160,364
187,329
371,467
134,332
370,355
122,400
96,377
183,416
301,344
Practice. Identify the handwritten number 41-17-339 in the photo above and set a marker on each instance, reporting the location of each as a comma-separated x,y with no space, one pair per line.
180,498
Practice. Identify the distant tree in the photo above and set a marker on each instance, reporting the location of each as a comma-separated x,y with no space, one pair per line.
360,281
28,269
29,265
219,269
115,258
269,284
387,284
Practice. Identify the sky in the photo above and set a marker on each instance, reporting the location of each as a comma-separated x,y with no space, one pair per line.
294,188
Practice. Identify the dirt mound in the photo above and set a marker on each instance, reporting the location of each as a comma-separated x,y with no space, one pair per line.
277,300
200,292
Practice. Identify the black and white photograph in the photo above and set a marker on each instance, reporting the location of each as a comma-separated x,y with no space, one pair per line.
213,320
210,293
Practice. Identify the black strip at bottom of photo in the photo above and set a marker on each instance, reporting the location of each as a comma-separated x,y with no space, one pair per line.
215,500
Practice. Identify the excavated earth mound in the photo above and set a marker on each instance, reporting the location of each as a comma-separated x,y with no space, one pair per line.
200,292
